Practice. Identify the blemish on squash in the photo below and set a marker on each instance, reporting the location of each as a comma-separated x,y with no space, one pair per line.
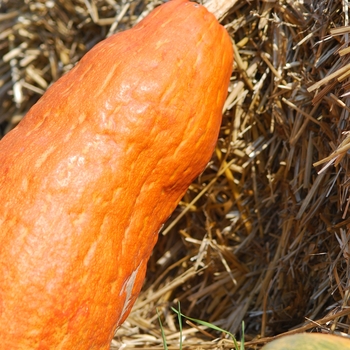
75,161
79,219
116,195
81,118
25,184
166,23
161,42
104,87
36,126
127,290
68,135
63,177
90,254
199,42
44,156
179,63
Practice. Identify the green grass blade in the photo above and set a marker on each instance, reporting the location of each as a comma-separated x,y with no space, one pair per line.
180,324
165,345
242,336
209,325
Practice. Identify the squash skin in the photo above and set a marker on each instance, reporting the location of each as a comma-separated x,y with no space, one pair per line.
96,167
309,341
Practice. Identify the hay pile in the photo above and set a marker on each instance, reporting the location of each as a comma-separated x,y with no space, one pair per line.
262,235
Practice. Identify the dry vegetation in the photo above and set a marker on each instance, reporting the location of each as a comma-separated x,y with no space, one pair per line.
262,236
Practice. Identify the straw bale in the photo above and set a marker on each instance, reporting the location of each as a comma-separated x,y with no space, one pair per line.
262,236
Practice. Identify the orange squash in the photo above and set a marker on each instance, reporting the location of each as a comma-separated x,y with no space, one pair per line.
96,167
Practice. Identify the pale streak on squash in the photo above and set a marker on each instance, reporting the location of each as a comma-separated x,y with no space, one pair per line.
126,293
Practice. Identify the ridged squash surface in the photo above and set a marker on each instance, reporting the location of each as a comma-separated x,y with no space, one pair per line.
96,167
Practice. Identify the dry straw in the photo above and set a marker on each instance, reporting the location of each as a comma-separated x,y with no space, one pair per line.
262,235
